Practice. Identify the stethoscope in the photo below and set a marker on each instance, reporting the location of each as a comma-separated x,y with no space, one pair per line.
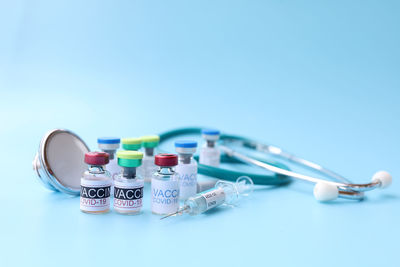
324,190
59,165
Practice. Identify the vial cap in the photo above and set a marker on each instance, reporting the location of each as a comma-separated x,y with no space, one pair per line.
186,144
97,158
210,132
150,141
131,143
129,158
108,140
166,160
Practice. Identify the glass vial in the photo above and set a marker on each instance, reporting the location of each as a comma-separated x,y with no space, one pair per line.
110,146
187,168
148,168
210,154
165,185
128,185
96,184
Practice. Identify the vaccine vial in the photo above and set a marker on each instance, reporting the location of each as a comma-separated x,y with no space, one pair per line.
110,146
96,184
131,144
210,154
148,168
186,168
128,185
165,185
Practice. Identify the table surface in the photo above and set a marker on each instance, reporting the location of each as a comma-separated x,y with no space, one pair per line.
319,79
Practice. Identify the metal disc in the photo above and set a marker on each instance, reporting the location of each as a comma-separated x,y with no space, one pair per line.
60,161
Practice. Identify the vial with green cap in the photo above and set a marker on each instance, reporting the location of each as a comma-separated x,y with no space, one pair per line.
128,185
148,168
132,144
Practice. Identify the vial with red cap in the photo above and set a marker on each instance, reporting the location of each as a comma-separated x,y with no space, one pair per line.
165,185
96,184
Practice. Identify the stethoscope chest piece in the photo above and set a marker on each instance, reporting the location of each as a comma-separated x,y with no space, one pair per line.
59,162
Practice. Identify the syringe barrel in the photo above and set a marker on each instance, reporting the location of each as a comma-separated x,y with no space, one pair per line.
205,201
223,192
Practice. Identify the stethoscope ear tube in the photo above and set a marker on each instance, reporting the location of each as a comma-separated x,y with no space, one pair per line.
324,190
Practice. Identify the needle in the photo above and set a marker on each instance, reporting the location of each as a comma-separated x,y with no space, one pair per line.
180,211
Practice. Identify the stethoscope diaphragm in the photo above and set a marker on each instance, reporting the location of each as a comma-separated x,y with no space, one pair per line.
59,162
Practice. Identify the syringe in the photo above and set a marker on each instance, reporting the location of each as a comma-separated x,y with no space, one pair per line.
223,193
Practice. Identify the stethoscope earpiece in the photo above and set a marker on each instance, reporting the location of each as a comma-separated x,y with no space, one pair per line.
327,191
383,177
324,191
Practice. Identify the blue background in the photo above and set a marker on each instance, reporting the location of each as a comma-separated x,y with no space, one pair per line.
320,78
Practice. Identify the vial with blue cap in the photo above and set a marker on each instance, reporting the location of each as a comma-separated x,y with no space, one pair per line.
128,185
209,153
186,168
110,146
148,168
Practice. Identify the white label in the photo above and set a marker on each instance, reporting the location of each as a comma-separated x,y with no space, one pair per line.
187,180
95,195
214,197
164,196
210,156
128,197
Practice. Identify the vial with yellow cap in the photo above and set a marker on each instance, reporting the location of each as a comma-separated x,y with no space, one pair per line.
149,144
128,185
131,144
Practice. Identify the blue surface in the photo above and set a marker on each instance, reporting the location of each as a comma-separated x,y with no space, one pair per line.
317,78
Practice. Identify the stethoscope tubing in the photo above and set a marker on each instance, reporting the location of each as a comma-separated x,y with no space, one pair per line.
345,188
222,173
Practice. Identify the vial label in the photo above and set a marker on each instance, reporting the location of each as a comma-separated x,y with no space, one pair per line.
164,196
128,197
187,180
214,197
95,195
210,156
